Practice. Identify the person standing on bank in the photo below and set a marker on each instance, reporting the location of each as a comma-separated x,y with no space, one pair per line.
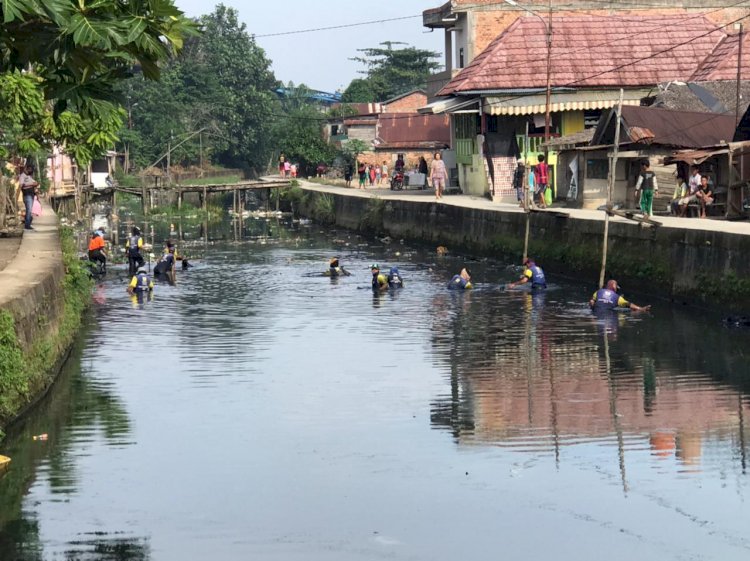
542,179
647,186
518,176
29,188
438,175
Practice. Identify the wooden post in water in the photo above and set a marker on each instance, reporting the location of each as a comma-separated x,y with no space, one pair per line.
526,205
610,190
205,200
179,198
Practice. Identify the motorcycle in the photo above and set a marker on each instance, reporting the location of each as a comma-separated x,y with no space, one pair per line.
397,181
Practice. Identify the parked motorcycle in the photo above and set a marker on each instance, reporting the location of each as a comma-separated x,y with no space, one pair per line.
397,181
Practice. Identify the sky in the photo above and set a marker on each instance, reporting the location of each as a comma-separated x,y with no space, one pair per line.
321,59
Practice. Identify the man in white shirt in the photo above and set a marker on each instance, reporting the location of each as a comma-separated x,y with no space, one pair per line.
694,184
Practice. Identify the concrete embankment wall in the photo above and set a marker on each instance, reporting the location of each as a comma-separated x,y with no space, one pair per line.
31,286
687,265
40,310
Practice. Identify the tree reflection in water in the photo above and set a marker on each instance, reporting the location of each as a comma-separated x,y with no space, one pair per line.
79,408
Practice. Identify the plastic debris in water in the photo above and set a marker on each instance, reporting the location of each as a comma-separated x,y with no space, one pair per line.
44,436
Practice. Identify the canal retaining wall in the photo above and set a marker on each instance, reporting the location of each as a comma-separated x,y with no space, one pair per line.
43,292
694,266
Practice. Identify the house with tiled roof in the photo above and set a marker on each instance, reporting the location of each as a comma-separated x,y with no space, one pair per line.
469,26
497,103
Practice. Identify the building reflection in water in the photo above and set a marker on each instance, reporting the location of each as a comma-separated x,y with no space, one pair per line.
535,373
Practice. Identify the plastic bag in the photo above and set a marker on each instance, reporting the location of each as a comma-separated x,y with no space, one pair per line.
36,208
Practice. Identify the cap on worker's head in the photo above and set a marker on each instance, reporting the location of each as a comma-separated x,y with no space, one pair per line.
612,285
520,161
141,270
374,266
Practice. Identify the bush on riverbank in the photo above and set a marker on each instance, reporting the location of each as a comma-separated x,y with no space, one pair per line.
24,375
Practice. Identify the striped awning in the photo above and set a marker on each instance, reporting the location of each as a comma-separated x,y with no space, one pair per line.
531,104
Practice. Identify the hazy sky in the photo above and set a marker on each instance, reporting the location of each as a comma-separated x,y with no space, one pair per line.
321,59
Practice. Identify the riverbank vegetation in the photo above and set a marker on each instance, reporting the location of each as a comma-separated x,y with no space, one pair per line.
26,373
62,64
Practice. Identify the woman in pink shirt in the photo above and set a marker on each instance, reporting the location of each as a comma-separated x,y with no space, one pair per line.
438,175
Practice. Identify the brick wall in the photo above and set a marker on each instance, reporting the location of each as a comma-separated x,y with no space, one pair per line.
407,104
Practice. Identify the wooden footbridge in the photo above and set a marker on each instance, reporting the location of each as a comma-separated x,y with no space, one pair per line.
148,193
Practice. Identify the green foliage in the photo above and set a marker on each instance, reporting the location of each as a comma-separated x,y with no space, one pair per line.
221,84
360,90
81,49
13,381
324,209
390,72
351,150
299,138
61,61
23,374
372,217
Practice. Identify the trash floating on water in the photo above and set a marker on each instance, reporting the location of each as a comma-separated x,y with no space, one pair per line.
44,436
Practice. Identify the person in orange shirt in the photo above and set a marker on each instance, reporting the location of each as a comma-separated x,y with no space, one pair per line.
96,251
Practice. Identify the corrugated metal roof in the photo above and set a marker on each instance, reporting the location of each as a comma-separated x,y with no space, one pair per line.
412,129
591,51
651,125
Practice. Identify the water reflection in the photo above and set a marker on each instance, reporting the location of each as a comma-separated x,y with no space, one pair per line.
80,415
536,373
256,409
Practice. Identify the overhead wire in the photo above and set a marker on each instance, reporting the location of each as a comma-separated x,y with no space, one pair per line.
330,27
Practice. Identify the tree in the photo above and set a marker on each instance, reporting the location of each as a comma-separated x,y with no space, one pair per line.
80,50
359,90
390,72
299,132
221,83
60,61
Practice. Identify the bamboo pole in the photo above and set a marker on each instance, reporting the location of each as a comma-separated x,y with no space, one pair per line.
610,190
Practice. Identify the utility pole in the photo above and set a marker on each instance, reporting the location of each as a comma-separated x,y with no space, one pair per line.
739,80
610,189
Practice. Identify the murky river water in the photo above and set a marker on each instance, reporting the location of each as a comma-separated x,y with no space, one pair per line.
255,412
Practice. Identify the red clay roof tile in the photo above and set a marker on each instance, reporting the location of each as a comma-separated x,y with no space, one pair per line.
591,51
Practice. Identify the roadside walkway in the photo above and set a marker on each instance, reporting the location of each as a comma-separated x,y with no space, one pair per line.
28,260
428,196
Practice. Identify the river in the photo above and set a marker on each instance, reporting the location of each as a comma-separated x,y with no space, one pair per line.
254,411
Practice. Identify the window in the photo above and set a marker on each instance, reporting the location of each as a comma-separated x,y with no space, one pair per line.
467,125
461,57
